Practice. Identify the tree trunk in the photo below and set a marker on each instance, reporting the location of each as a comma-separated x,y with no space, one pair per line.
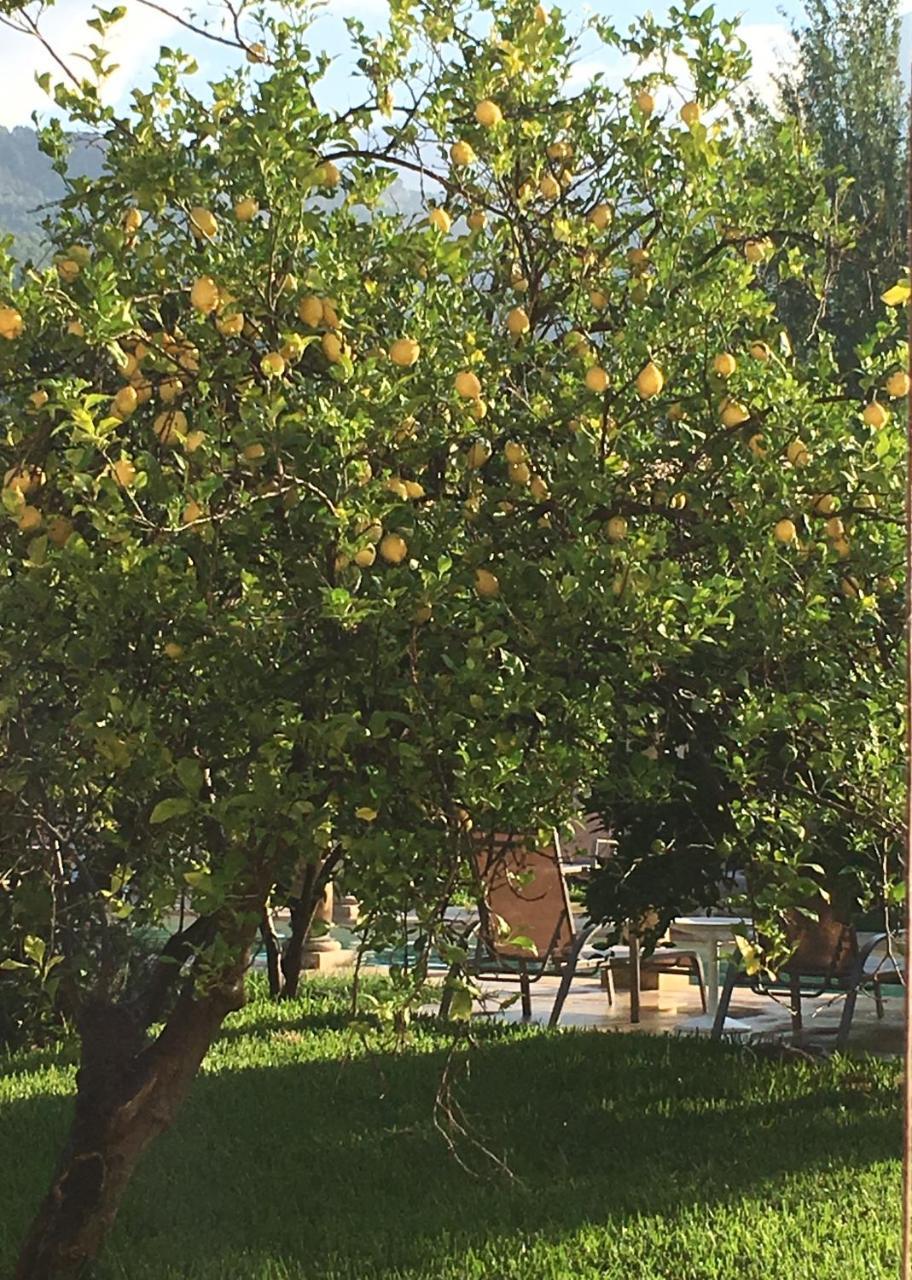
314,880
128,1092
273,955
302,913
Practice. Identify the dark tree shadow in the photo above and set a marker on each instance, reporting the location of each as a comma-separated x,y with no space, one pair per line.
335,1167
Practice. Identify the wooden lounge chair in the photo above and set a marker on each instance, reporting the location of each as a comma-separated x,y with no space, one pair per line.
826,960
525,928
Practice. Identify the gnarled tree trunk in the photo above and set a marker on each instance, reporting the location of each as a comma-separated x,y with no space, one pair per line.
128,1092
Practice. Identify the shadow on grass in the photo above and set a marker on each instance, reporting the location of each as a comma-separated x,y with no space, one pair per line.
334,1167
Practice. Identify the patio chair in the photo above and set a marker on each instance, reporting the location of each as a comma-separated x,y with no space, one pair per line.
826,960
525,928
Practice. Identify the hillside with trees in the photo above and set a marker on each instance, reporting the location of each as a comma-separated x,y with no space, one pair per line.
28,184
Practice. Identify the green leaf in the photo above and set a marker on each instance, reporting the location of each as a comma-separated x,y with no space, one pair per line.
173,807
190,774
34,948
461,1004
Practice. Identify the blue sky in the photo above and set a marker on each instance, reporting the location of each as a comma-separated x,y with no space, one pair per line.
137,38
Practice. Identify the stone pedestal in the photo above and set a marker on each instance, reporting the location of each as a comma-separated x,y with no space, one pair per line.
346,910
325,952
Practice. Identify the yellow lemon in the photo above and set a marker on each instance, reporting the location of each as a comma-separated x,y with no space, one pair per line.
514,451
11,323
393,548
441,220
38,399
757,250
875,415
253,452
616,529
203,222
690,113
191,512
169,389
823,504
328,174
124,472
467,385
204,295
310,309
170,425
549,187
125,402
59,530
645,102
650,381
330,314
365,557
24,480
725,365
835,528
518,322
174,650
333,347
898,384
597,379
797,453
785,531
601,216
477,455
486,584
193,440
404,352
461,154
488,113
477,220
760,351
733,413
29,519
231,326
273,364
132,221
68,270
246,210
519,473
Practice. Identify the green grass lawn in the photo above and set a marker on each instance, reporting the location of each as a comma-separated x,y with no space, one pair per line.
304,1152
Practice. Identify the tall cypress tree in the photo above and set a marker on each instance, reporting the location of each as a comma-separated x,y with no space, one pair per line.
847,89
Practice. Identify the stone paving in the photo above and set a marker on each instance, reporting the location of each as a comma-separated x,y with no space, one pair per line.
668,1009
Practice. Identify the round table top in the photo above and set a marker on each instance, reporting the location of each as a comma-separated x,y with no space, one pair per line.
708,923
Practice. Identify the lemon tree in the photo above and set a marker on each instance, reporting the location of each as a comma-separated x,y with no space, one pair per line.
339,533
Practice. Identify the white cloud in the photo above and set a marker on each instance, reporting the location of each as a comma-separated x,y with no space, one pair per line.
772,49
131,42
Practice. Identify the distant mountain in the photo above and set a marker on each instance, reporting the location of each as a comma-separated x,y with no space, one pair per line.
28,183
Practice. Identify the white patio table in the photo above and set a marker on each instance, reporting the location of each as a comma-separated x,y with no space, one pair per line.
703,935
